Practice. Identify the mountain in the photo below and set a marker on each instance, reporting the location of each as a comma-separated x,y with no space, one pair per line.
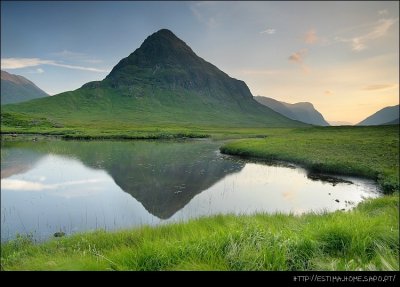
16,89
340,123
303,112
381,117
394,122
17,160
162,83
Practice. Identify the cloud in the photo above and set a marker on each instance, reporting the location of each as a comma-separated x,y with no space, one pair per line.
24,185
383,12
357,45
79,68
18,63
311,37
15,184
269,31
68,54
328,93
202,11
36,71
76,56
380,87
378,30
298,57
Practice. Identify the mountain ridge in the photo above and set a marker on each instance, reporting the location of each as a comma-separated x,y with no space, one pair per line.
381,117
301,111
394,122
16,89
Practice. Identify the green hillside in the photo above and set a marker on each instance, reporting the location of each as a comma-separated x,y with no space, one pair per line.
163,83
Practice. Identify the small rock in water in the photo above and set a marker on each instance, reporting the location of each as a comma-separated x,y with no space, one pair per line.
343,209
59,234
329,193
337,200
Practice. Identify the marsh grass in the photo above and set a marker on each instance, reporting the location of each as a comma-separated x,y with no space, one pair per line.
371,152
365,238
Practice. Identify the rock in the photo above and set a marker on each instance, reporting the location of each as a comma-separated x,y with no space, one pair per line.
337,200
59,234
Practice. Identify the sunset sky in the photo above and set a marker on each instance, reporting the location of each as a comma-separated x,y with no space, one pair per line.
341,56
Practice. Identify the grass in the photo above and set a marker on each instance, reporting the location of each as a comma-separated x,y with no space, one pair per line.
366,238
22,123
108,109
371,152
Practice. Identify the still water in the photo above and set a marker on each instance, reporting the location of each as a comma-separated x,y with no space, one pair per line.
73,186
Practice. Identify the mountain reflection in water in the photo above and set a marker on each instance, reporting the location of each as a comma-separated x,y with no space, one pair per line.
51,186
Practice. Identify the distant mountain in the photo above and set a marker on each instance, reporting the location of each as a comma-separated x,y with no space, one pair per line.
161,83
339,123
394,122
16,89
381,117
304,111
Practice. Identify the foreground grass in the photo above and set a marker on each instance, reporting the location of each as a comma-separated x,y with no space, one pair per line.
371,152
366,238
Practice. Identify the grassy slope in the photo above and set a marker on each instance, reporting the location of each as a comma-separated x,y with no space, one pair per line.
94,111
366,238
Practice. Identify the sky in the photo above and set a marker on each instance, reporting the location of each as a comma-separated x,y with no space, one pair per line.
341,56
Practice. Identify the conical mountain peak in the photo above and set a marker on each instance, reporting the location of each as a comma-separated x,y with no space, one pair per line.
160,51
164,33
163,45
165,38
164,82
165,61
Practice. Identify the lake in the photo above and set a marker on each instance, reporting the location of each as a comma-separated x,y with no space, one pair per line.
50,186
